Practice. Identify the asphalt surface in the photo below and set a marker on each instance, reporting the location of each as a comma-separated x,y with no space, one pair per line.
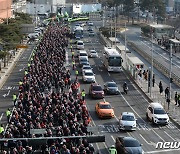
12,83
147,133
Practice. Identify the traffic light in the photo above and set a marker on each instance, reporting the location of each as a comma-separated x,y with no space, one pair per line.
171,80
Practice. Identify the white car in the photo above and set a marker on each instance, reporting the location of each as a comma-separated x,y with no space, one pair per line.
156,113
93,54
82,53
127,121
88,76
86,67
80,45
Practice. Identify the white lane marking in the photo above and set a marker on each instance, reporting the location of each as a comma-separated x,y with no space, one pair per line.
98,148
161,151
7,93
169,136
1,116
113,138
140,116
144,139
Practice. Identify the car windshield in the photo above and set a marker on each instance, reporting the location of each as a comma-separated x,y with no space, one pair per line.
105,106
80,43
93,51
128,118
97,88
131,143
83,54
111,85
114,61
89,74
83,59
159,111
86,67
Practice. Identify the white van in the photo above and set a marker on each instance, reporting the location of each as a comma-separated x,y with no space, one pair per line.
80,45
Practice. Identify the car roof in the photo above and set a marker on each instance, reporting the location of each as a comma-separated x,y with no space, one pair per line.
110,82
80,41
93,50
128,113
127,138
87,71
82,51
103,103
156,105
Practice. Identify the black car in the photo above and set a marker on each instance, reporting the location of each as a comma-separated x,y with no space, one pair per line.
111,88
128,145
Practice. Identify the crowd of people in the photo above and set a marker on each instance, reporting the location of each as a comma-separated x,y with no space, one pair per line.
58,111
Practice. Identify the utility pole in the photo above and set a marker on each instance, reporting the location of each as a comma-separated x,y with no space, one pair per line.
170,70
125,48
115,28
151,64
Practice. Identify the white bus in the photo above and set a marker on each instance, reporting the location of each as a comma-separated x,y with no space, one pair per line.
112,60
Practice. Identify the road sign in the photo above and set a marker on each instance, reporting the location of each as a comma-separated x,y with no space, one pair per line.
21,46
37,131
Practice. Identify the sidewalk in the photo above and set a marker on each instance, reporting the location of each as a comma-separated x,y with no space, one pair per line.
6,71
174,111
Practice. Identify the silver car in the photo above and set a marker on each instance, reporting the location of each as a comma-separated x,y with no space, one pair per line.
127,121
93,54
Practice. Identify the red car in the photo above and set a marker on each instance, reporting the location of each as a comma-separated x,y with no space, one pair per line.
96,91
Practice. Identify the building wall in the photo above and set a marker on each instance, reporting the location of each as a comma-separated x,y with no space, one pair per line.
5,8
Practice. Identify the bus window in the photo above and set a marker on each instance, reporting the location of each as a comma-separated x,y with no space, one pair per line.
114,61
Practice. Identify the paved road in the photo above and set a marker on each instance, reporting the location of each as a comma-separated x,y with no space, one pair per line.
11,85
134,101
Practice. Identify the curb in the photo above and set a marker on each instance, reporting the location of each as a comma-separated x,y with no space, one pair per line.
10,67
137,86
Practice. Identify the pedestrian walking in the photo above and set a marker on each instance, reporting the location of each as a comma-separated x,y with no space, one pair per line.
14,99
72,54
176,98
160,87
1,130
83,94
166,92
8,114
73,64
168,102
76,73
153,80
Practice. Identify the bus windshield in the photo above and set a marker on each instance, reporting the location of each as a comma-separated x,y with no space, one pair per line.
114,61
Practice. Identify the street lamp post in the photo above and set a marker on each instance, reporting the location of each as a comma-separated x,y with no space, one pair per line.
125,48
170,70
115,28
151,64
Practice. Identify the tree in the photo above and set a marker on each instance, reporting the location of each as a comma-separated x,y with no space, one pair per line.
154,6
128,7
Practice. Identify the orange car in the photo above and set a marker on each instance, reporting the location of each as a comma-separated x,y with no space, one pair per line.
104,110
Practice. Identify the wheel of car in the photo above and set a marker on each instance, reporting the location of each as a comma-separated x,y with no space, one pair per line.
147,116
153,121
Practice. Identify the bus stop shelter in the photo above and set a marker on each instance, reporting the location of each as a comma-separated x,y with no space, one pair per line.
134,66
175,45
